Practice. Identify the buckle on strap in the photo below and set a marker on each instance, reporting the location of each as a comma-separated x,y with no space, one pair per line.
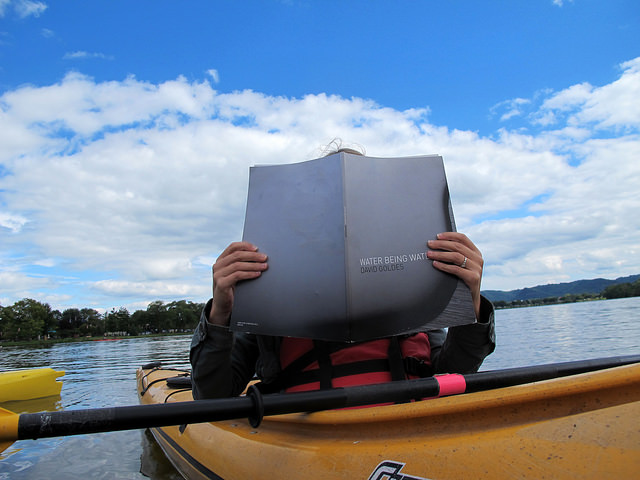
417,367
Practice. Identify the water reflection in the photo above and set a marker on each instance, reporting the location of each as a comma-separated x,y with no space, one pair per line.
153,461
34,405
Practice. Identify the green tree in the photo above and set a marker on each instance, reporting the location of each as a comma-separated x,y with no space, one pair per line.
54,326
140,322
26,319
183,315
70,323
118,321
92,322
622,290
6,320
157,317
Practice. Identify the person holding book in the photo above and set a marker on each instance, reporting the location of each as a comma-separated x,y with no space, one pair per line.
223,361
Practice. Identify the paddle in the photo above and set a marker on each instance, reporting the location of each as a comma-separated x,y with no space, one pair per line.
74,422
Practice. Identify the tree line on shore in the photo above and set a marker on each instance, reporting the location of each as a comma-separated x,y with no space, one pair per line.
30,319
620,290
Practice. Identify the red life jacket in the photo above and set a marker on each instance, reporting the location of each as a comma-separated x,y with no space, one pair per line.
312,365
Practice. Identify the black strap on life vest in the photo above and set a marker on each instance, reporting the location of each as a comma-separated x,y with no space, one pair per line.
396,364
294,374
324,363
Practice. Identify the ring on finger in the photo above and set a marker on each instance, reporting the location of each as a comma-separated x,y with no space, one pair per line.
464,263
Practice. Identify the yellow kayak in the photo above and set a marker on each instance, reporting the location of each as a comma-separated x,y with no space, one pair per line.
28,384
584,426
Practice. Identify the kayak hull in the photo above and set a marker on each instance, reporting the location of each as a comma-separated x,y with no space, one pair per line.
28,384
582,426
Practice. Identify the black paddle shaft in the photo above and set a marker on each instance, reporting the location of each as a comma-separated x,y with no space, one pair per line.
520,375
255,405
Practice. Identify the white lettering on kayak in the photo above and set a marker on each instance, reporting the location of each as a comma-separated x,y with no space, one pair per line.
390,470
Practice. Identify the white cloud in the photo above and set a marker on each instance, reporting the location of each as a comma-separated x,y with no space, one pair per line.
144,184
12,222
512,108
22,8
120,289
27,8
82,55
215,76
45,262
15,285
614,105
569,98
3,6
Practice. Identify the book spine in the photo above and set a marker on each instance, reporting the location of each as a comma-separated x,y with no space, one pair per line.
347,270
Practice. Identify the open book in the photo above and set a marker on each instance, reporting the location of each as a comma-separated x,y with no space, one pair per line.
346,239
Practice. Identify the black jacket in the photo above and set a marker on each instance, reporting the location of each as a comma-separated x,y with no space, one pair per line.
223,362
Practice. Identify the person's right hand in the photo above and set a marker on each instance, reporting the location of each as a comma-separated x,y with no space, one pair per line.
239,261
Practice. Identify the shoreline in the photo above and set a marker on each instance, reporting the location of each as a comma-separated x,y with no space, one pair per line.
52,341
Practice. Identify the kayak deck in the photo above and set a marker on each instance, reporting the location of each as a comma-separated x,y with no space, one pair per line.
582,426
28,384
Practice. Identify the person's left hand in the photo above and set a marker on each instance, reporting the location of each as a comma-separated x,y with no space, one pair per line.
454,253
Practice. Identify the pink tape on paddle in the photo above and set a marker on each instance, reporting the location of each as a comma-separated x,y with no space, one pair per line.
451,384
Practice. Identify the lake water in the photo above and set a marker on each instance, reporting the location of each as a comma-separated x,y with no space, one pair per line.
102,374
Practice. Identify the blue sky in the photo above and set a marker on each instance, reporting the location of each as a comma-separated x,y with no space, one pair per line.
128,129
457,58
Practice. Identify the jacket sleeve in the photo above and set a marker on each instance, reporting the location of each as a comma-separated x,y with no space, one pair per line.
463,348
222,361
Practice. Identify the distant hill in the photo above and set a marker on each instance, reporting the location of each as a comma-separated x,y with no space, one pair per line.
594,286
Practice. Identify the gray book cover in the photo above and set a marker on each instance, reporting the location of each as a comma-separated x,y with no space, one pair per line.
346,240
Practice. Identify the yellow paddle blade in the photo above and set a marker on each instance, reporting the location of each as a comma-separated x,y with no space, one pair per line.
8,428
